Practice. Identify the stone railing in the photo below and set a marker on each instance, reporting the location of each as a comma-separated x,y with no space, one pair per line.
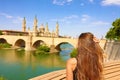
111,72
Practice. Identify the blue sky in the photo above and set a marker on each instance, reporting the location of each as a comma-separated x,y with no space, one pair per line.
73,16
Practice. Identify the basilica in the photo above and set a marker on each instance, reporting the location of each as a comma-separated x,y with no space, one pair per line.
42,31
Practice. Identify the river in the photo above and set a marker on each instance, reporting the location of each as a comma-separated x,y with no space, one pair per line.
23,65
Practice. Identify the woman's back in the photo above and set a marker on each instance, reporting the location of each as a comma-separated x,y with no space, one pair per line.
87,64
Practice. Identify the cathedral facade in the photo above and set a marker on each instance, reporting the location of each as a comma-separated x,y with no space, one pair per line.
42,31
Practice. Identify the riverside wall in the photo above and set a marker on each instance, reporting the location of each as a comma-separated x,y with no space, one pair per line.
112,49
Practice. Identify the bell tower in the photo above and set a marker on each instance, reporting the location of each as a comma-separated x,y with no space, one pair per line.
35,24
46,29
35,31
57,30
24,25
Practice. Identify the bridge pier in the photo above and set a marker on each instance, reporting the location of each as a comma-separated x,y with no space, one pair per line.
28,46
52,49
28,42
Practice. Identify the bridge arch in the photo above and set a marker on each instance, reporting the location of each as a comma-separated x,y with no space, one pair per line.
20,43
30,42
2,40
58,46
38,43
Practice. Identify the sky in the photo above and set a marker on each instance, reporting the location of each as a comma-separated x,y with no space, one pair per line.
74,16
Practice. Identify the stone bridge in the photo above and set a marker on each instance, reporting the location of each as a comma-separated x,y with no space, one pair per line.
31,42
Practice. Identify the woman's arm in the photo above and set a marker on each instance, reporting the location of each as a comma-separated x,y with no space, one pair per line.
70,66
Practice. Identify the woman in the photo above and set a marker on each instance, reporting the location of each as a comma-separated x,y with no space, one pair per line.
88,63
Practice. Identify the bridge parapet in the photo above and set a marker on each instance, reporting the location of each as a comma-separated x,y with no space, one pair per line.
30,41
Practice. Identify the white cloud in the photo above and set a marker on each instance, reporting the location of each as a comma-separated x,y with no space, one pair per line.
61,2
91,0
13,19
85,18
82,4
111,2
17,19
71,17
6,15
100,23
66,19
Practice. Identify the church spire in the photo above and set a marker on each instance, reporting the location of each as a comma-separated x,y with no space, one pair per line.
46,29
24,25
57,29
35,24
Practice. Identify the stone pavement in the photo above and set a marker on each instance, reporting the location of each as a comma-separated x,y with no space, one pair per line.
111,72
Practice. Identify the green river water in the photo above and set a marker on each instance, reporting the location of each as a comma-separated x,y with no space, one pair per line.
23,65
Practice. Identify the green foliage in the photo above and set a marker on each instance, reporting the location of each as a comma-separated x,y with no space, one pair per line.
39,52
2,78
114,32
5,45
43,48
110,34
1,33
73,53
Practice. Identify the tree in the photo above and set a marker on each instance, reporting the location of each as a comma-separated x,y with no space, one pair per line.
1,33
73,53
43,48
114,31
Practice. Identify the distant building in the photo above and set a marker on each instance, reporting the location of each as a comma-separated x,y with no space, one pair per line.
11,32
41,31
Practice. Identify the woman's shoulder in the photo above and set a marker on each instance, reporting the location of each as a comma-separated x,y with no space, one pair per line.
72,61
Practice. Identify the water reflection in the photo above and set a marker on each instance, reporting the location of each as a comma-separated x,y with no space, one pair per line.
66,50
22,65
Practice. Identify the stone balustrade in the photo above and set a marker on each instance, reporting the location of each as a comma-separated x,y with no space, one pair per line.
111,72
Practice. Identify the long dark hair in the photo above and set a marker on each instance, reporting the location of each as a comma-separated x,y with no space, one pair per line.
89,58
